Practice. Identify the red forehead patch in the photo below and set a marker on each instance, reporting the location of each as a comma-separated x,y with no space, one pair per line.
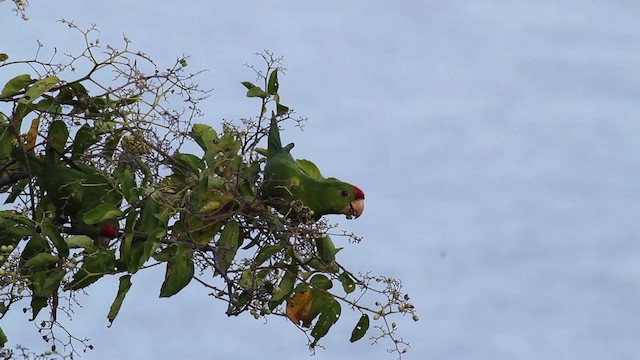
357,192
109,231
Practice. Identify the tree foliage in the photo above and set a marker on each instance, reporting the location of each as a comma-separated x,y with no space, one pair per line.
93,167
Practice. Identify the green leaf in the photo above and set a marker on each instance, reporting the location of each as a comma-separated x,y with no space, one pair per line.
56,140
37,304
257,92
127,238
49,106
102,213
321,298
3,57
80,92
141,251
361,328
326,249
123,288
247,191
303,286
146,170
248,85
81,242
266,252
329,315
247,279
348,284
111,143
281,109
94,267
97,189
190,161
228,245
125,102
320,281
3,337
202,194
85,137
205,136
45,283
165,254
180,270
16,190
6,142
34,247
16,84
273,83
285,287
42,259
229,143
251,279
3,309
295,255
321,266
17,217
38,88
149,221
128,181
53,233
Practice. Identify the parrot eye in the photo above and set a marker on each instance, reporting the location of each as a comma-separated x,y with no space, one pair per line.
344,193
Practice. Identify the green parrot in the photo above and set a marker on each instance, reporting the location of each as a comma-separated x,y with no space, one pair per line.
287,180
71,192
69,188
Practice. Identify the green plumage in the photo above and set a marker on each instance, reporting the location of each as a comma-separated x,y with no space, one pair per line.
290,185
72,191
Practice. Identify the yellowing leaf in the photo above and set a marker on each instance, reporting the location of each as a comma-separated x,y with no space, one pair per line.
213,204
299,306
32,134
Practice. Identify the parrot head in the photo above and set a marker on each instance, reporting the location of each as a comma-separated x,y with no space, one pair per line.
107,232
110,230
355,207
336,197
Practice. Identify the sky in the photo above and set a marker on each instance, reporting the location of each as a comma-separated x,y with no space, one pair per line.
497,143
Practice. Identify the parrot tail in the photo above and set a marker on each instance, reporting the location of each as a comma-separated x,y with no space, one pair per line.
275,144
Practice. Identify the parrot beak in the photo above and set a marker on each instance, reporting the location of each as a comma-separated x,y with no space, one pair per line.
354,209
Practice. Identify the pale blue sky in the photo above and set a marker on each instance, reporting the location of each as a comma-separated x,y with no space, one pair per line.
497,143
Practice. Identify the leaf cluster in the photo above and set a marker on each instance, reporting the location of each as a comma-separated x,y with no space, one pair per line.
100,187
